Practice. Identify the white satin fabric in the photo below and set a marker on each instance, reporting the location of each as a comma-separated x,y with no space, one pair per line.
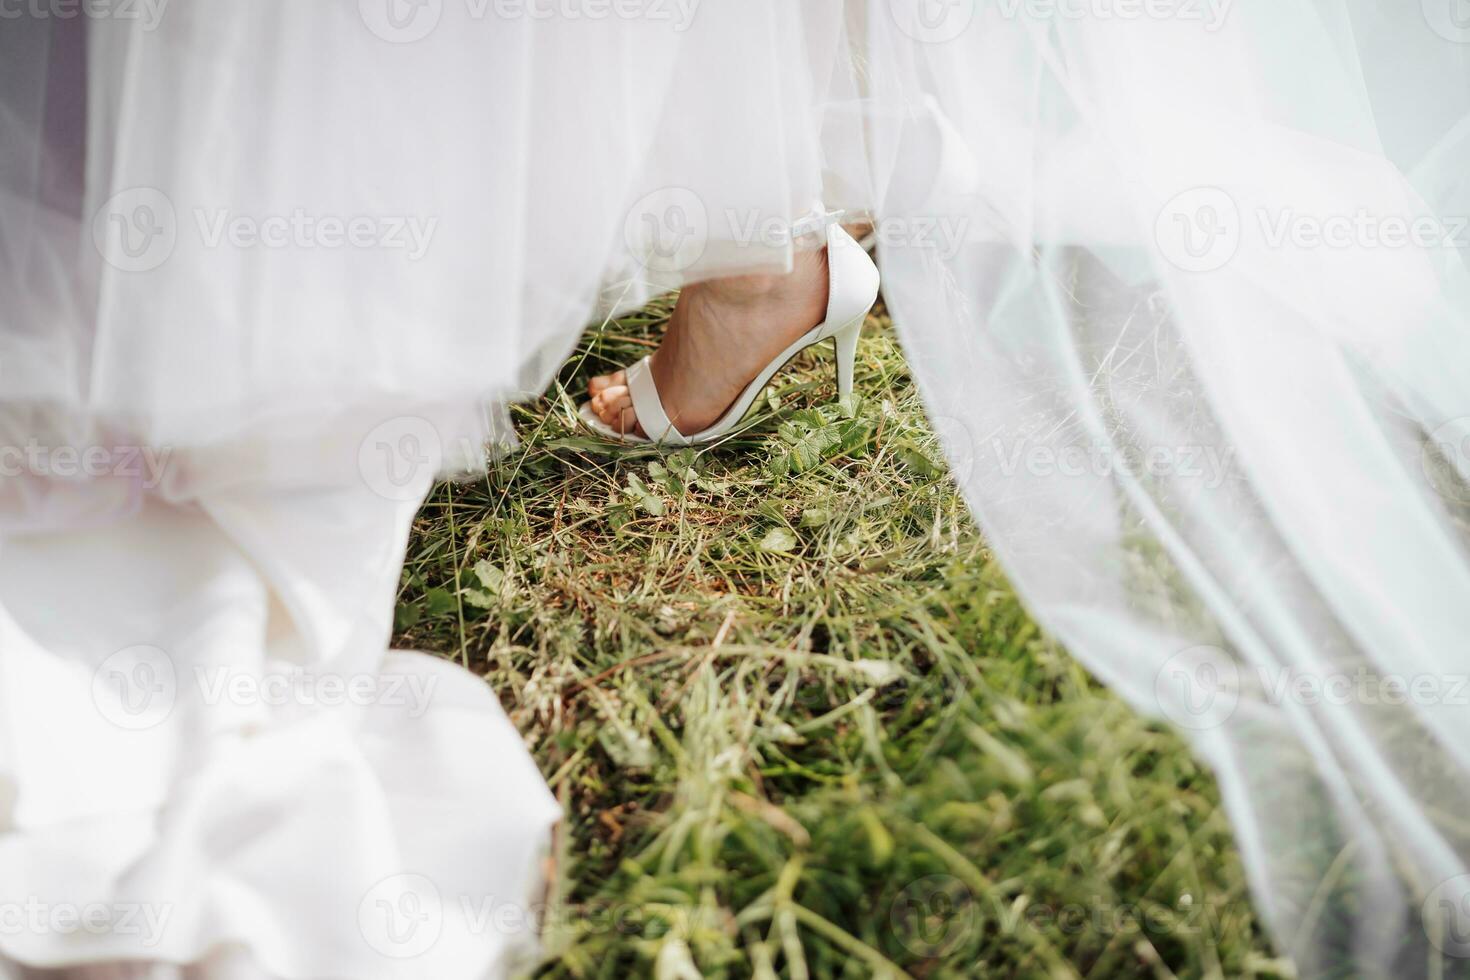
212,757
1223,459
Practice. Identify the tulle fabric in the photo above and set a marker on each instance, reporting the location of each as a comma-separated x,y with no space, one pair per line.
1231,482
1217,462
497,166
214,444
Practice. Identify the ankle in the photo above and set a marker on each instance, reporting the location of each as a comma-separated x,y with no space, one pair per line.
743,289
762,287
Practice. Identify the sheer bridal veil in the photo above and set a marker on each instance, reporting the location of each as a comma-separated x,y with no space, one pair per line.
1202,365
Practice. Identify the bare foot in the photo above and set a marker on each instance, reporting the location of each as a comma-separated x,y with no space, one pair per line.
722,333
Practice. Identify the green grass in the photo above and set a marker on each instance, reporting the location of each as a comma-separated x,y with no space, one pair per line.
799,723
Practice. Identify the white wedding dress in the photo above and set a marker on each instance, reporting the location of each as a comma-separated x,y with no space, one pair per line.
266,268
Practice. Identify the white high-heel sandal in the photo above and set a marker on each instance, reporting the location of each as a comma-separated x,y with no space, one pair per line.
852,288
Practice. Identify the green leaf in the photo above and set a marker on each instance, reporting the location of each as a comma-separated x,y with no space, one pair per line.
648,501
808,450
490,576
779,540
665,478
856,434
815,516
919,463
479,599
406,616
440,602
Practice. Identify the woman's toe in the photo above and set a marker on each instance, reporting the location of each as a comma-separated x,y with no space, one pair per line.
616,408
602,382
614,401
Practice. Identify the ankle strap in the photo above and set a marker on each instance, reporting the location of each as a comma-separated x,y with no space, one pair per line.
815,223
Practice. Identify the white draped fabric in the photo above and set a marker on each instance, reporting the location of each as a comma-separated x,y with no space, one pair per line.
1183,283
1212,408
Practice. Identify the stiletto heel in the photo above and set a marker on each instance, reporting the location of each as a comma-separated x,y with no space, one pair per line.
845,344
852,288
